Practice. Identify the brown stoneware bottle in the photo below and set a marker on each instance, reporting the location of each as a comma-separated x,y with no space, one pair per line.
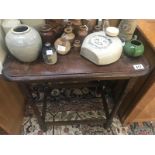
47,34
76,23
68,35
82,33
90,23
62,46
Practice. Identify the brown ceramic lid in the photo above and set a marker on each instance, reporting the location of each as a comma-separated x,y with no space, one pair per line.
46,28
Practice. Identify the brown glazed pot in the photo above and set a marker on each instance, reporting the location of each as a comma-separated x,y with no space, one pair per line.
76,23
47,34
58,26
82,33
90,23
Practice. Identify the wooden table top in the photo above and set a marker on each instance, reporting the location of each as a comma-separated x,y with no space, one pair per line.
147,29
72,67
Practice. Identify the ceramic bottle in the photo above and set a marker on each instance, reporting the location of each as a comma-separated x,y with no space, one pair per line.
62,46
68,35
76,23
7,24
90,23
82,33
47,33
24,42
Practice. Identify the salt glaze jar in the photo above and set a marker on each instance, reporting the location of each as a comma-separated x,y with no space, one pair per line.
68,35
134,48
47,33
49,54
7,24
127,28
62,46
24,42
83,32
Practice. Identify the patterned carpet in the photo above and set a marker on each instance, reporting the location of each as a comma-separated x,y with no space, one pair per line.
67,104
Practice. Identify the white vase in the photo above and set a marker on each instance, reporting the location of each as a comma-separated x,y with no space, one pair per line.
7,24
3,50
36,23
24,42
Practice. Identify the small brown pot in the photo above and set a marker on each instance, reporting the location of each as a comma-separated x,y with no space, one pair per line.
76,45
97,28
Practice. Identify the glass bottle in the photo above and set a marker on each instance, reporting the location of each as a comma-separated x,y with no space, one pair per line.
68,35
49,54
105,24
62,46
127,28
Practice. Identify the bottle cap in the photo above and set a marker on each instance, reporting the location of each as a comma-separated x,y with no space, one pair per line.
47,44
112,31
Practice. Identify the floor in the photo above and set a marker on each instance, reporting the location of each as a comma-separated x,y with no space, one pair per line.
67,105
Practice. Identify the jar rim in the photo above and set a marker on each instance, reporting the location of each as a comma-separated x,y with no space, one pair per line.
20,29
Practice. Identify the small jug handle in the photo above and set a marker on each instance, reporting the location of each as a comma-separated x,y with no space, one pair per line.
135,37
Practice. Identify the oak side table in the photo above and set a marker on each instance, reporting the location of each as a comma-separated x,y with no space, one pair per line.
73,68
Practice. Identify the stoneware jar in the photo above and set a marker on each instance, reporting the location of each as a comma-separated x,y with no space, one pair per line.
24,42
7,24
47,33
62,46
127,28
35,23
68,35
134,48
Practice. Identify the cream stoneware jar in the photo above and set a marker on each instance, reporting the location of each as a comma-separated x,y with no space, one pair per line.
36,23
7,24
24,42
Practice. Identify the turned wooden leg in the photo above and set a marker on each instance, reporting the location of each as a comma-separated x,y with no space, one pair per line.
31,102
128,88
